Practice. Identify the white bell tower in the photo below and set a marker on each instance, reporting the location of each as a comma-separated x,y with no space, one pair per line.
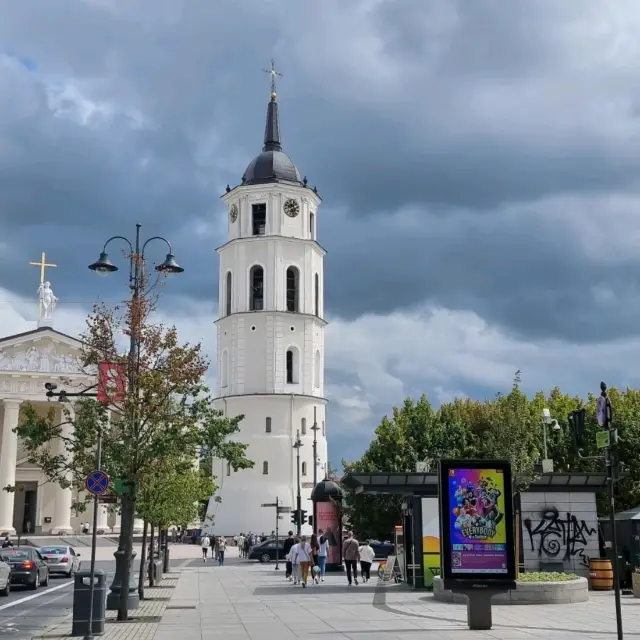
270,355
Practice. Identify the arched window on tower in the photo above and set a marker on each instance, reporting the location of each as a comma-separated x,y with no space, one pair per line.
224,369
293,366
293,285
258,219
267,427
318,369
228,468
312,226
265,468
256,288
317,295
323,428
303,426
304,469
228,292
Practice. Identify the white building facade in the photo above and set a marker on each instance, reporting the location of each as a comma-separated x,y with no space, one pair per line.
270,330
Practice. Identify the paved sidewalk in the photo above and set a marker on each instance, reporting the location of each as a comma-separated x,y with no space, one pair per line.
253,602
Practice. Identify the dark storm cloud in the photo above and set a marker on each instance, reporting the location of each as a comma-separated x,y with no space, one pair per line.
439,105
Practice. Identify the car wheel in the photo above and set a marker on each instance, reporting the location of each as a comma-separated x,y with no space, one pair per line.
7,590
45,582
264,558
36,583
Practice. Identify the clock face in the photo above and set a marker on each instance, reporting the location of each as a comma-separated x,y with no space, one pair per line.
233,212
291,208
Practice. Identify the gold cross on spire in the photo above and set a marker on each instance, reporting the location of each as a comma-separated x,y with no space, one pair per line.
274,74
43,265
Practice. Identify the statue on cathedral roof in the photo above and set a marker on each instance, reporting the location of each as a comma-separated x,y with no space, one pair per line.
47,301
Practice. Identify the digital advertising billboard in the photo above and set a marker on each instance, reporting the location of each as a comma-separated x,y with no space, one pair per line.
476,521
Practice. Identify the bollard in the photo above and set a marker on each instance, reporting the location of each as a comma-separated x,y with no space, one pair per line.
81,600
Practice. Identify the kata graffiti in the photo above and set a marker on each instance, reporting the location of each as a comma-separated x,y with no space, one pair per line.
557,534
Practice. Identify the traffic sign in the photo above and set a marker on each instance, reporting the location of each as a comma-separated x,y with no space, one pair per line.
284,509
97,483
269,504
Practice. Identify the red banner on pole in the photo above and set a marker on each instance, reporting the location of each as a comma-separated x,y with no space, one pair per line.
111,382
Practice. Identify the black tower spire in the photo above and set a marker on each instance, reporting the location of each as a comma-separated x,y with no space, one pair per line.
272,128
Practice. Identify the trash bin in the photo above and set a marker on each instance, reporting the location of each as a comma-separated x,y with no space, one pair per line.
157,570
81,600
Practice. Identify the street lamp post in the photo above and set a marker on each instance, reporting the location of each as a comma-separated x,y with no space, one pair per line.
120,598
315,450
296,445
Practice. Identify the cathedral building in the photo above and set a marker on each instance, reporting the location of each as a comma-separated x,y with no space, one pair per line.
270,340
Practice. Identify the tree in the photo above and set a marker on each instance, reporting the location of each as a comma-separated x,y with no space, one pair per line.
164,408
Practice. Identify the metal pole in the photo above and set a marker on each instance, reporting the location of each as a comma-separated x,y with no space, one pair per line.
298,497
315,449
544,431
277,533
96,506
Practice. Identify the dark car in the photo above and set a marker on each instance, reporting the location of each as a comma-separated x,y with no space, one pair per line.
382,549
266,551
28,567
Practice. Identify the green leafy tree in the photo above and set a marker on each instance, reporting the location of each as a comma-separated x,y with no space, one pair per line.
165,407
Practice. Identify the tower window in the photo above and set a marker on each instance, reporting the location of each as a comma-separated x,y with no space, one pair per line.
312,224
256,288
317,295
303,426
224,366
317,369
293,284
304,468
228,292
323,427
265,468
267,426
258,219
228,468
293,365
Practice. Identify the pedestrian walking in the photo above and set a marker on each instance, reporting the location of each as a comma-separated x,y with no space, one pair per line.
288,543
303,555
315,550
322,554
351,555
295,562
221,547
205,543
367,556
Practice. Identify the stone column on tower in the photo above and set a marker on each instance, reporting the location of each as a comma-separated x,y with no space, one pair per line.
8,461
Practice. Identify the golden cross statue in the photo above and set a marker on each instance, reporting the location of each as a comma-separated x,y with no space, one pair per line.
274,74
43,265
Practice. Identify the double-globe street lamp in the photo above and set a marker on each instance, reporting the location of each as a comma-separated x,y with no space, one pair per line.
296,445
104,266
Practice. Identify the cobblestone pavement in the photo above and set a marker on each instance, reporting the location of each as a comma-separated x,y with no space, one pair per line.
251,601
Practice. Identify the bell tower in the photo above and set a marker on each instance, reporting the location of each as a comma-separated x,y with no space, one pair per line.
270,329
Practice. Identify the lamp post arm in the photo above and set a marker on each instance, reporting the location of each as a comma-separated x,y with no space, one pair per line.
156,238
117,238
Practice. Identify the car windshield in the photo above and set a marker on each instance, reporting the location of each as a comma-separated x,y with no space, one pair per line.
53,550
15,554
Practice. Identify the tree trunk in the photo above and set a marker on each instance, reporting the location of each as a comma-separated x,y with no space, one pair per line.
143,560
152,540
126,540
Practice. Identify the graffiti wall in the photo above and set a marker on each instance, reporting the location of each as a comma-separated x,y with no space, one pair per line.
430,539
559,528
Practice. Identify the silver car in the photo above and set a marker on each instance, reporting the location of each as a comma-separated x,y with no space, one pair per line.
61,560
5,578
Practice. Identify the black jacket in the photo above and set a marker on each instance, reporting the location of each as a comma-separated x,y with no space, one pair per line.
288,543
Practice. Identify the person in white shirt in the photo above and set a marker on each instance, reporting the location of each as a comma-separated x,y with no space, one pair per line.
292,557
205,543
367,556
303,555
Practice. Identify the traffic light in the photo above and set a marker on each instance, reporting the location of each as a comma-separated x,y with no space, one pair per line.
576,424
303,513
310,519
294,517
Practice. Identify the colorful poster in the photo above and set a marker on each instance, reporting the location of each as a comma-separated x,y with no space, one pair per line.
476,522
328,525
430,540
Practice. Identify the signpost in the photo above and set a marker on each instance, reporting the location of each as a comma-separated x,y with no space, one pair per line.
477,545
97,483
277,505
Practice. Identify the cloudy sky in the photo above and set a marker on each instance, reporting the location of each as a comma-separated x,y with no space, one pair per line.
478,161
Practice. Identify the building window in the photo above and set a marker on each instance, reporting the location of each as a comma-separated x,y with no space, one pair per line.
228,468
293,284
312,223
256,288
323,427
304,426
318,370
267,427
293,365
228,292
317,295
265,468
258,219
224,366
304,468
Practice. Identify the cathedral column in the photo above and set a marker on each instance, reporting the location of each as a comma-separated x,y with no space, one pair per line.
63,498
102,524
8,461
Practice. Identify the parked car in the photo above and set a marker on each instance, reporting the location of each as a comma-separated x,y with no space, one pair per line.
382,549
61,560
28,567
5,578
266,551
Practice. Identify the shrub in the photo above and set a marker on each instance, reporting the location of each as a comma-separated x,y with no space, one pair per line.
547,577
